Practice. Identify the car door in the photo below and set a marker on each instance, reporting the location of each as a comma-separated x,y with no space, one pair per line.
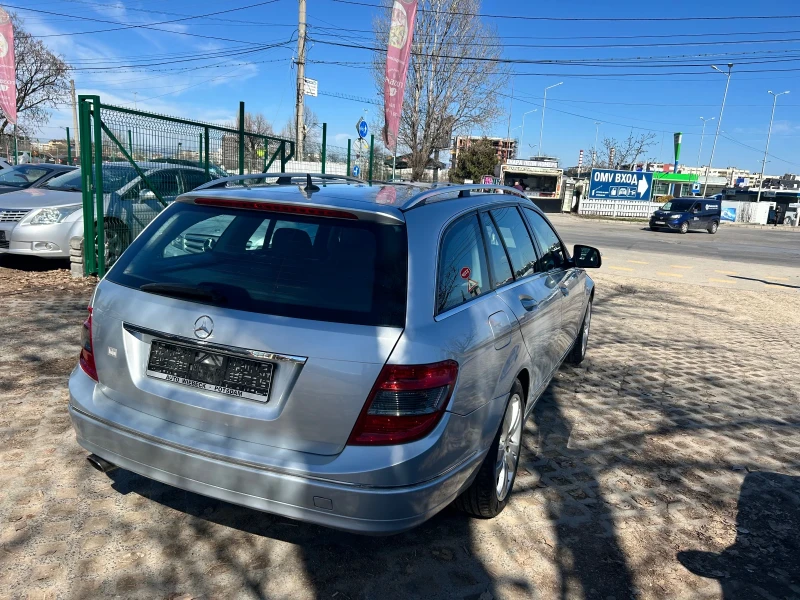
570,282
696,216
532,297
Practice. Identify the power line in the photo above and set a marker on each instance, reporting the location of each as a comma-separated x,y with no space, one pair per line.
575,19
125,26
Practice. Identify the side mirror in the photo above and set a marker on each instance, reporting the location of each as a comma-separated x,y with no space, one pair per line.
587,257
147,194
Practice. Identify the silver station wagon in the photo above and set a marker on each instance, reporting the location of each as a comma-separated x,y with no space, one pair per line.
352,355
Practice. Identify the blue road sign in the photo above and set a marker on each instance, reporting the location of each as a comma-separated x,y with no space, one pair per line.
609,184
356,170
363,128
696,187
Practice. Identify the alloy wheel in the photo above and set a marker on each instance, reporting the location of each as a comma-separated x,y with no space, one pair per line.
508,449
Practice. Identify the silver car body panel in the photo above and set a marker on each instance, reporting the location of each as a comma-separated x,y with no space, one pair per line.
290,455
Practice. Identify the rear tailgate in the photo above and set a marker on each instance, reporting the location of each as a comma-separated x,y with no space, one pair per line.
321,304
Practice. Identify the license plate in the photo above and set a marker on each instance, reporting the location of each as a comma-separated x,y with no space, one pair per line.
660,222
210,371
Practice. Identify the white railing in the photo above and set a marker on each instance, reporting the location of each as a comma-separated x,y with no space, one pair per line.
618,208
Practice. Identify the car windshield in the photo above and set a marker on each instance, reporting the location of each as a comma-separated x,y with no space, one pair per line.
115,176
23,176
320,268
70,181
678,205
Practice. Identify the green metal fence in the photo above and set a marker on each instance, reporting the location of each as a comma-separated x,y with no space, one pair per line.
134,163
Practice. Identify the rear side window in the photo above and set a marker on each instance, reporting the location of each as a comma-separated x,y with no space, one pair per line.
517,239
314,268
553,256
462,265
501,269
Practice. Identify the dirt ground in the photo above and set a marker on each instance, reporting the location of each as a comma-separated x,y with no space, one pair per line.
666,466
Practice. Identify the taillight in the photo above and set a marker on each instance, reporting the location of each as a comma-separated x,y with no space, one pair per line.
406,403
87,351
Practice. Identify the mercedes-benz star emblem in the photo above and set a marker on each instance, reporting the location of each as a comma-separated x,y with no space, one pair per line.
203,327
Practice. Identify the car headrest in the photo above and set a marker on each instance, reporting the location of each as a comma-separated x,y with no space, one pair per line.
294,242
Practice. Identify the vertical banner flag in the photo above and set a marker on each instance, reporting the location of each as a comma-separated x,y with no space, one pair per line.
8,77
401,30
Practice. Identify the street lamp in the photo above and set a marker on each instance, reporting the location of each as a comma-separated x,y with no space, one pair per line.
702,135
544,106
766,150
522,135
719,121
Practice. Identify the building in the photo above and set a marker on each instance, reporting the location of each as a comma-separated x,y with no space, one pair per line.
504,147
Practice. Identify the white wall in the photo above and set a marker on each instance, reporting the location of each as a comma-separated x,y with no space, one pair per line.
618,208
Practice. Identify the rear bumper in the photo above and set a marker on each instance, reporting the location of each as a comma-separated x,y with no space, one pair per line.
307,497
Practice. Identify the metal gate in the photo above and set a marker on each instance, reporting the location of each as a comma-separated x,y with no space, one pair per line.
134,163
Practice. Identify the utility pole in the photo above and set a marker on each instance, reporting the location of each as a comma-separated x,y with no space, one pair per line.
75,129
301,76
594,149
766,150
719,121
507,143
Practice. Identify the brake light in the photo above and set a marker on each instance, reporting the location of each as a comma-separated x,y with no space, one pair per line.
87,351
293,209
405,404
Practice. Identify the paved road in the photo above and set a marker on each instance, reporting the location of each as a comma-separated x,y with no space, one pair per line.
766,247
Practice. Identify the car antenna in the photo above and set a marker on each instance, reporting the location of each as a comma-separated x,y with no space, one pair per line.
310,187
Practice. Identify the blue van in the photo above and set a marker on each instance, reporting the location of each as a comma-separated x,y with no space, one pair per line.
683,214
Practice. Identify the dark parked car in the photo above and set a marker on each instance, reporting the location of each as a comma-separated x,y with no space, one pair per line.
23,177
683,214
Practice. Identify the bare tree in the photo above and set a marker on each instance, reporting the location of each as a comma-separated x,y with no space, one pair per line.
454,77
627,151
312,129
42,80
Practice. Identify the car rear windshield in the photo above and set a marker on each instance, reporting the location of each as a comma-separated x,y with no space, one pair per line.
319,268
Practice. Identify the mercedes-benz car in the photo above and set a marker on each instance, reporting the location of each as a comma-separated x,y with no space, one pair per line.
352,355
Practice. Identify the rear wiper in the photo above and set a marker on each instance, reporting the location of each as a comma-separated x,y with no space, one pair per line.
178,290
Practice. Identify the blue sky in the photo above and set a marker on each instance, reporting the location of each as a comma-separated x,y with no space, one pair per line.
656,97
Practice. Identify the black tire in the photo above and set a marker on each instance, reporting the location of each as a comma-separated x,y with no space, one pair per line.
712,229
578,352
481,499
684,227
117,238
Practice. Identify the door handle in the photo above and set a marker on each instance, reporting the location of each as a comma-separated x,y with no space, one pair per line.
564,290
528,303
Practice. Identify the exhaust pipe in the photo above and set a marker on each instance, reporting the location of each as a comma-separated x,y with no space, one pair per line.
101,464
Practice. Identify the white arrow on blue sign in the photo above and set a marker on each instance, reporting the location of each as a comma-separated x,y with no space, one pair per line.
356,170
362,128
610,184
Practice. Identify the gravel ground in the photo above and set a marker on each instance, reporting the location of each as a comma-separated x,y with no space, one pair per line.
666,466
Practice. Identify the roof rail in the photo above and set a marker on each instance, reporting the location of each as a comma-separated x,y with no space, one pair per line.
283,179
463,192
